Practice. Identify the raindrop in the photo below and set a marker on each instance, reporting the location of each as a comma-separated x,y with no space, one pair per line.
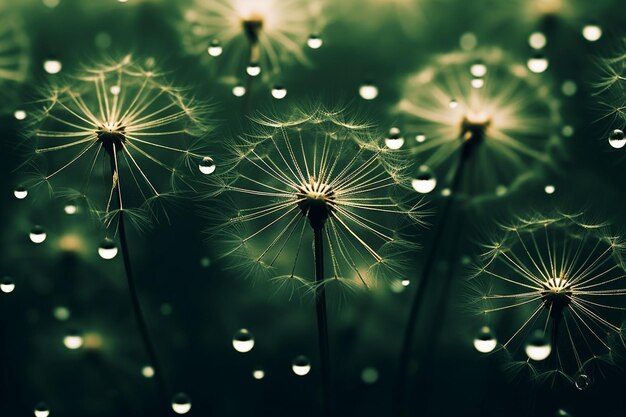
73,340
425,181
243,341
617,139
453,104
37,234
207,165
301,365
582,382
477,82
20,192
478,70
107,249
147,371
258,374
19,114
181,403
394,141
369,375
239,91
215,48
52,66
405,282
537,40
549,189
537,63
314,41
279,92
115,89
485,341
538,348
420,138
70,208
368,91
42,410
592,33
7,285
253,69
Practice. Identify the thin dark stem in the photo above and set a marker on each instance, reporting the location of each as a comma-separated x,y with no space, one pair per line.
399,403
322,320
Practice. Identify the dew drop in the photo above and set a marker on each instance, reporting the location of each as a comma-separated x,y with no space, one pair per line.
538,347
369,375
253,69
243,341
395,140
239,91
478,70
582,382
368,91
20,192
207,165
617,139
279,92
425,180
537,63
52,66
19,114
258,374
70,208
147,371
7,285
537,40
181,403
478,82
37,234
301,365
215,48
107,249
73,340
453,104
314,41
549,189
61,313
42,410
405,282
592,33
420,138
485,341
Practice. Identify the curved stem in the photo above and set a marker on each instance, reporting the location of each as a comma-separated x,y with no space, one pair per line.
322,320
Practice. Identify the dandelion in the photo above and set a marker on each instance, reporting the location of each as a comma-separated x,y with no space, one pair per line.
612,89
255,37
560,283
315,178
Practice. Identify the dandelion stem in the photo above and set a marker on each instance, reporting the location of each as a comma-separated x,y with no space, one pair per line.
322,320
399,402
134,297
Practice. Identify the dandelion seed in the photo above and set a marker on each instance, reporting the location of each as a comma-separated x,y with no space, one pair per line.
562,282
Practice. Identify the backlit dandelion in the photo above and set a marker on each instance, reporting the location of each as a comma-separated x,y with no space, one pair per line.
317,179
253,38
478,119
557,285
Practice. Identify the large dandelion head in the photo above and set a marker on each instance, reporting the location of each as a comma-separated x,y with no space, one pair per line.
255,36
612,89
554,290
316,172
478,108
119,138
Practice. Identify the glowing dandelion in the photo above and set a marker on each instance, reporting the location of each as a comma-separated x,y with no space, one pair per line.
560,284
253,37
483,134
317,179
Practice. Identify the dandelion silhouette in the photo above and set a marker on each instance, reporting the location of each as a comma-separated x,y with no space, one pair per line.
560,283
257,36
123,115
315,173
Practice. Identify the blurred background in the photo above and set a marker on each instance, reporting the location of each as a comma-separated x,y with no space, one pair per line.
195,307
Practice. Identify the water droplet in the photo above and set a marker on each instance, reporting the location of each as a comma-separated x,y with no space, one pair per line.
485,341
453,104
369,375
181,403
61,313
70,208
7,285
405,282
478,70
73,340
569,88
115,90
314,41
42,410
592,33
368,91
538,347
425,180
253,69
52,66
207,165
582,382
37,234
258,374
107,249
617,139
279,92
20,192
394,141
215,48
477,82
420,138
239,91
301,365
537,40
147,371
549,189
537,63
19,114
243,341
